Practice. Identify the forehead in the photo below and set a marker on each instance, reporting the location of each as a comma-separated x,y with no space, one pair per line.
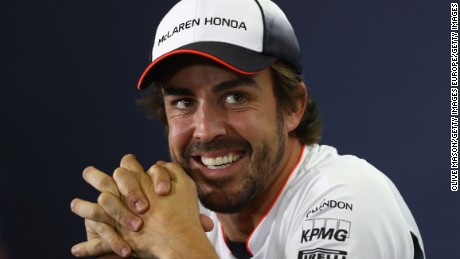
187,70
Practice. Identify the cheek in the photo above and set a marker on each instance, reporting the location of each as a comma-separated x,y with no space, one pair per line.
254,126
179,135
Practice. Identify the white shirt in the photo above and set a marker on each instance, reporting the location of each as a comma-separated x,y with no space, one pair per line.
331,207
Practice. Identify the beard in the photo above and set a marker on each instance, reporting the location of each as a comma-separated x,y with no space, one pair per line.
265,157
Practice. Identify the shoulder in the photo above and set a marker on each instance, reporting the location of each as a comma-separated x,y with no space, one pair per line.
343,201
325,177
323,172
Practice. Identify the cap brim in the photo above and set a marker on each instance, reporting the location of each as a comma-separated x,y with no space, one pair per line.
238,59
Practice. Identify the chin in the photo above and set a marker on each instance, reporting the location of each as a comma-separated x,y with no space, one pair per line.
222,198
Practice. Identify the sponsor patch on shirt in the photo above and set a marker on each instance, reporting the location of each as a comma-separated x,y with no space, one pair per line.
329,204
325,229
322,253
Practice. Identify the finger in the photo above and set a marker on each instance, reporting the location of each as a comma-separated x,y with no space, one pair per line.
108,241
117,210
177,173
175,170
112,256
100,181
130,162
161,179
128,185
89,210
206,223
95,247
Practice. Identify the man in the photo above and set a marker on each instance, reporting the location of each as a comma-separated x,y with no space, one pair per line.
242,131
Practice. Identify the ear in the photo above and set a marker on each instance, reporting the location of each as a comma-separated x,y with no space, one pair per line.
293,118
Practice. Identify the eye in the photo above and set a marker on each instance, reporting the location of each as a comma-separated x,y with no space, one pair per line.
235,98
183,103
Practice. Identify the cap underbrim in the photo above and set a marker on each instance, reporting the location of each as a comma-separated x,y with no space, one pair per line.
238,59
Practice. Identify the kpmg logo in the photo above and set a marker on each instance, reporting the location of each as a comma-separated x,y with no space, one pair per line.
322,253
325,229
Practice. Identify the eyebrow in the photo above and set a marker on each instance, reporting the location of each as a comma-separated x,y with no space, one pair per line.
239,81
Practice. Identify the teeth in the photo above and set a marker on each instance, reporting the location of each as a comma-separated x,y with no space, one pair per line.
221,161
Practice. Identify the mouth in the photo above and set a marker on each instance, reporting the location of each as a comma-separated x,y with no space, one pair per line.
219,161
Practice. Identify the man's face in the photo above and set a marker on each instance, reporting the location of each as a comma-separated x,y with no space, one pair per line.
225,130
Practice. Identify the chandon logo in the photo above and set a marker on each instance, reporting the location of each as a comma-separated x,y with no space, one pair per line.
330,204
326,229
322,253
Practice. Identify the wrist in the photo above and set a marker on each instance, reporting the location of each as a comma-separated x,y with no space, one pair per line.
190,244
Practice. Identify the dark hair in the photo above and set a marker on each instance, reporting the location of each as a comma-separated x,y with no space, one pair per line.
286,89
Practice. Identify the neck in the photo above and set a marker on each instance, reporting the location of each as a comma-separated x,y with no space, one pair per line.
239,226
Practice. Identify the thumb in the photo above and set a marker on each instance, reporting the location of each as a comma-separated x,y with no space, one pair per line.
206,223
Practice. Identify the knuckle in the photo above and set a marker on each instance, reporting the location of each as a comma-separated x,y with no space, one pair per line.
174,165
119,215
153,169
128,157
118,172
101,229
99,247
94,212
106,182
131,192
164,178
114,209
113,242
103,199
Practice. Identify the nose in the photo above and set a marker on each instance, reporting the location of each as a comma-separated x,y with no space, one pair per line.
209,123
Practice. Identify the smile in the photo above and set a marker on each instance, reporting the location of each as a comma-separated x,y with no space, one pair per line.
221,161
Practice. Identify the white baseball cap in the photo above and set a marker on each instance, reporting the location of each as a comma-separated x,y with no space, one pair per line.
243,35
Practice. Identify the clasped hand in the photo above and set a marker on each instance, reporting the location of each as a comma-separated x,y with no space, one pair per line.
149,215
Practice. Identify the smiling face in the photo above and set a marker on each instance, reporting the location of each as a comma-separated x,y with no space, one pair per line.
225,130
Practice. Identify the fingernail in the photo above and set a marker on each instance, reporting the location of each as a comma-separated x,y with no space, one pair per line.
135,224
162,188
140,205
124,252
75,250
